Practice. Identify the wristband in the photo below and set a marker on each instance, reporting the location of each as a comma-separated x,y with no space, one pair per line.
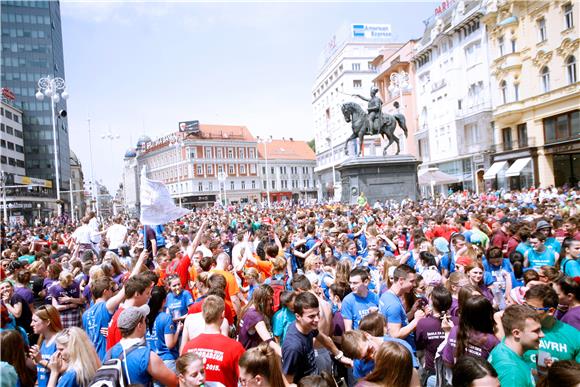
339,355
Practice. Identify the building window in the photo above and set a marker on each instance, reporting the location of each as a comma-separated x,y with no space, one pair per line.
199,170
231,169
503,90
264,184
356,67
253,184
357,83
210,169
208,154
220,168
243,168
230,153
263,170
273,184
545,75
516,91
542,33
200,186
219,153
506,135
522,135
513,41
192,153
571,69
243,184
272,171
568,15
210,186
241,153
562,127
253,168
251,153
500,45
232,185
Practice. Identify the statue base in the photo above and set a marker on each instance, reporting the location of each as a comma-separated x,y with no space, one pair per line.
380,178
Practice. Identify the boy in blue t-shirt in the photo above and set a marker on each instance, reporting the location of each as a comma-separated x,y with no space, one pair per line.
361,301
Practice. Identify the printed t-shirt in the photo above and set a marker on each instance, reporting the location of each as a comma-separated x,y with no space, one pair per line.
511,368
114,334
298,353
572,317
43,373
538,259
137,362
355,307
248,335
95,318
561,341
391,307
177,305
479,345
428,336
221,356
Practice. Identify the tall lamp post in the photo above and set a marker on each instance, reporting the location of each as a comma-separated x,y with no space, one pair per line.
400,84
266,141
94,201
178,144
222,177
55,89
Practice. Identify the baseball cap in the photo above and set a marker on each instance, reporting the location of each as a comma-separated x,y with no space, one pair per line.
441,244
463,261
130,317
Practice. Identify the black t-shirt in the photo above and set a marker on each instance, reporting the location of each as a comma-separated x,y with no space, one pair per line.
298,353
25,318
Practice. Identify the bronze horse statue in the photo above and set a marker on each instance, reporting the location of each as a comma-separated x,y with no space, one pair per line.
355,114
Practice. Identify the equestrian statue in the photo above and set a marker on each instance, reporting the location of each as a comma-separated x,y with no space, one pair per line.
373,122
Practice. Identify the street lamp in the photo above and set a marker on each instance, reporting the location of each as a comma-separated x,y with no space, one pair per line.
178,144
55,89
266,141
399,84
222,176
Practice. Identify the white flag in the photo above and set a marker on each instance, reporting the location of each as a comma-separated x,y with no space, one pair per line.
157,206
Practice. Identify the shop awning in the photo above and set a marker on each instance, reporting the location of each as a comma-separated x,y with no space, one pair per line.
517,167
494,169
435,176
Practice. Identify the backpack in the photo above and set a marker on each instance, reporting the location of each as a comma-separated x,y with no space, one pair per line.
278,286
111,373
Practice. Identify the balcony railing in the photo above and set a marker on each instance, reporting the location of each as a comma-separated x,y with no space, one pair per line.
522,143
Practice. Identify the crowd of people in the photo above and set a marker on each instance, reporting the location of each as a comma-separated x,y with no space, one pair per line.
471,290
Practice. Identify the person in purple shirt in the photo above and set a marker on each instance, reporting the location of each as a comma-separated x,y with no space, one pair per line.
429,333
475,334
53,271
254,326
568,290
67,299
474,273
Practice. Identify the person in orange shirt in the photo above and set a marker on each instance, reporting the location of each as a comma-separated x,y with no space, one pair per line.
162,260
222,264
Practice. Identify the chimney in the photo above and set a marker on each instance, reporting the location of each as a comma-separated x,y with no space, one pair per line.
291,139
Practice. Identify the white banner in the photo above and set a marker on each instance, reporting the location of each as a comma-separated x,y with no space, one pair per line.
157,206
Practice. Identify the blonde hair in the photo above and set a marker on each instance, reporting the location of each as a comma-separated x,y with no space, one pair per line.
65,278
50,315
36,266
309,262
83,358
252,272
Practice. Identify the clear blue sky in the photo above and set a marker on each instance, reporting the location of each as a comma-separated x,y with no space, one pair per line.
142,67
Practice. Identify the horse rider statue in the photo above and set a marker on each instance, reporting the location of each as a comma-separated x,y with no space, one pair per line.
375,116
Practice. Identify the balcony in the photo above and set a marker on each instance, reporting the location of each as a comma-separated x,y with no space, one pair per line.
523,143
471,110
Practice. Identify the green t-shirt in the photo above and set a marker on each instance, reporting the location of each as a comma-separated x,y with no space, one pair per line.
27,258
562,342
511,367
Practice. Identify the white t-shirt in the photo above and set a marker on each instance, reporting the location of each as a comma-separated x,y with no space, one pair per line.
116,235
82,234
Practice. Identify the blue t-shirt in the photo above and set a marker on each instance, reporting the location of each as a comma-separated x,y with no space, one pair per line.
537,259
391,307
95,318
43,373
522,247
179,303
554,244
355,307
447,262
137,363
570,267
68,379
281,321
362,368
162,326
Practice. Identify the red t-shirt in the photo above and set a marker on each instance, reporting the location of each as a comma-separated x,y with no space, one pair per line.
221,355
114,334
197,307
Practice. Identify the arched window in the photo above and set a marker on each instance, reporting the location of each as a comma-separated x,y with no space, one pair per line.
571,69
545,74
503,89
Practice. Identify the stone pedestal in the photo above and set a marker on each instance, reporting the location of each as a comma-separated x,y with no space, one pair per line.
380,178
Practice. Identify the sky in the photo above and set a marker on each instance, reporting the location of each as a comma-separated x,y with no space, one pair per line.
136,68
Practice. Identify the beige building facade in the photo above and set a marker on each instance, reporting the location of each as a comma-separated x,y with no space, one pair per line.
534,49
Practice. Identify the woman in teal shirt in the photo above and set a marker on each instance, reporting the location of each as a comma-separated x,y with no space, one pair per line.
568,262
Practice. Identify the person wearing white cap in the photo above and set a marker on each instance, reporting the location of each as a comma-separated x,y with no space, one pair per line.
140,363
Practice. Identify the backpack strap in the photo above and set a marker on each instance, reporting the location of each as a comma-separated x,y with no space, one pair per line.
564,266
109,355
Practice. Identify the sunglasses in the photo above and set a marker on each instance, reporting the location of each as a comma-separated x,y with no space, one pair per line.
544,309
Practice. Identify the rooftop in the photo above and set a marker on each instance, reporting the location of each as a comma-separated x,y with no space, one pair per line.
287,149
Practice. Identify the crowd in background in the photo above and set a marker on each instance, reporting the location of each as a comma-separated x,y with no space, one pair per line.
468,290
